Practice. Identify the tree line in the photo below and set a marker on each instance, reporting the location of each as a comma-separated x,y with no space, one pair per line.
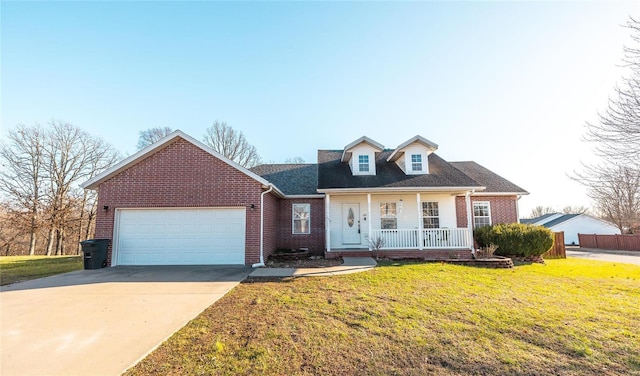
41,203
43,209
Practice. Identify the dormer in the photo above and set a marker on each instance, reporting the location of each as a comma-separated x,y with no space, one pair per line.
412,155
361,156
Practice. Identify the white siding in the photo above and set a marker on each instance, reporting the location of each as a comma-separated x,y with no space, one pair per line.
583,224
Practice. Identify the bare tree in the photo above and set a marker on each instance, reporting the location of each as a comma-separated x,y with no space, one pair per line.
541,210
22,167
151,135
294,160
616,193
232,144
571,209
71,156
616,135
614,183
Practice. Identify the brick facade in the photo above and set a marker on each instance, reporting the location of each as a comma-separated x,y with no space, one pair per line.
183,175
315,240
504,209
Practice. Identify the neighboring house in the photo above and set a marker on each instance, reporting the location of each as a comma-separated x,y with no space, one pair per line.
179,202
572,225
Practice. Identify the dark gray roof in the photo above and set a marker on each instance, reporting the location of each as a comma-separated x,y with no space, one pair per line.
558,220
291,179
335,174
487,178
536,219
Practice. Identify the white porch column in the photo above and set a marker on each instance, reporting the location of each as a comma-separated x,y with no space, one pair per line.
467,200
327,222
420,233
369,220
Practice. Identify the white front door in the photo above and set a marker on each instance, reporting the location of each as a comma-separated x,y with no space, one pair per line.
351,224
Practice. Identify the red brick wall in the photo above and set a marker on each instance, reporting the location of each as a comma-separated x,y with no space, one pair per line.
315,241
503,209
183,175
271,225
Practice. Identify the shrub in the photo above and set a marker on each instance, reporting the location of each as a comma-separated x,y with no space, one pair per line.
515,239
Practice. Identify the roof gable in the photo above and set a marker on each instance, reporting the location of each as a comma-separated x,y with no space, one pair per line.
158,146
428,145
346,154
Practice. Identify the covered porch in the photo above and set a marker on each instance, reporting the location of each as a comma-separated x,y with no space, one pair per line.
398,222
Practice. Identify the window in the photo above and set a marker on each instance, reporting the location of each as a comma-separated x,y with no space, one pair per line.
481,214
363,163
430,215
416,163
388,219
301,218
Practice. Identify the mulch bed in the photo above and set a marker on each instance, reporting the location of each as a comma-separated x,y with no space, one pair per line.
304,263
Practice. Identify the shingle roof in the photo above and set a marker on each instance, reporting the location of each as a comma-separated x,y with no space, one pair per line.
291,179
335,174
487,178
558,220
537,219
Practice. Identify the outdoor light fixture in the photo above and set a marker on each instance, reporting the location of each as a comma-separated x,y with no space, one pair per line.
106,207
253,206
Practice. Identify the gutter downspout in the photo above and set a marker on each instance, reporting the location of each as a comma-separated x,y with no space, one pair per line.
261,263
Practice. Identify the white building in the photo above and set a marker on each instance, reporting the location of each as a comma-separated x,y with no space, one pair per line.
573,224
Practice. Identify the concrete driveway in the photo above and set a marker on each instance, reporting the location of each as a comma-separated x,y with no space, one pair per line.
627,257
100,322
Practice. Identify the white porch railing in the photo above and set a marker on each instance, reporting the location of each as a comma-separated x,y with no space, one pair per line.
435,238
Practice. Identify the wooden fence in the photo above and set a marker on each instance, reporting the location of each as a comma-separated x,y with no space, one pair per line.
620,242
557,249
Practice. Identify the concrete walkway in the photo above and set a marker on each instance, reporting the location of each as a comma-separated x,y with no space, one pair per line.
100,322
627,257
350,265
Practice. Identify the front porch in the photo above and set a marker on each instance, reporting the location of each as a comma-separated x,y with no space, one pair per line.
403,224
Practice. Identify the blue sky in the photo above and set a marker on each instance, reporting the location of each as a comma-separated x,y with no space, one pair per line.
507,84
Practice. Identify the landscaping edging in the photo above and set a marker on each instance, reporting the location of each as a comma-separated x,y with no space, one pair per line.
495,262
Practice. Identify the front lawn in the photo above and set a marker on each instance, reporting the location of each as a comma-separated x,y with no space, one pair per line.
21,268
568,317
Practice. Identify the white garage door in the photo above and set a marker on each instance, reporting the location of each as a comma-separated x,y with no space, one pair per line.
180,236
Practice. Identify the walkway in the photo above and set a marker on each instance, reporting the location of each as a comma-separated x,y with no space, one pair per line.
350,265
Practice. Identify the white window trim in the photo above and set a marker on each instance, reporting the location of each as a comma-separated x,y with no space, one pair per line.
412,163
430,216
360,164
488,203
293,219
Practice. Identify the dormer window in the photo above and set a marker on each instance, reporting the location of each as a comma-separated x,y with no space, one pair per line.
412,155
363,163
416,162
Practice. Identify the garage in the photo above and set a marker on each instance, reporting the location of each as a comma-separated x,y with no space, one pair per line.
180,236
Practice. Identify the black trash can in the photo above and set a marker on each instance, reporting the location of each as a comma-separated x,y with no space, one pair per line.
95,253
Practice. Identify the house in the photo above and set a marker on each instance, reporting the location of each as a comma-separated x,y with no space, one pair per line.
179,202
572,225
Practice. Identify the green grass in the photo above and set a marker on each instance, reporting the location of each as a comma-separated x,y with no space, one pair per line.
22,268
568,317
